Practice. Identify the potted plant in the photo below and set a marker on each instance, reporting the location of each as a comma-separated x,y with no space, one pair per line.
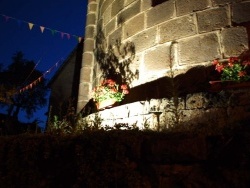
231,72
108,93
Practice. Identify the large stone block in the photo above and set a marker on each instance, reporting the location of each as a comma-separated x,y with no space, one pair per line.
157,59
89,31
145,39
213,19
177,28
117,6
223,2
107,15
88,59
198,49
91,19
114,36
146,4
129,12
86,73
92,7
234,41
89,45
105,5
241,12
133,26
188,6
127,2
110,27
160,13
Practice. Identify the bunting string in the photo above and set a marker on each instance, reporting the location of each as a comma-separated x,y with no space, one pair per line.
42,28
38,80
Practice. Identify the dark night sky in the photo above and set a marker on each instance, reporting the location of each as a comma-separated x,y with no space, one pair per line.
47,48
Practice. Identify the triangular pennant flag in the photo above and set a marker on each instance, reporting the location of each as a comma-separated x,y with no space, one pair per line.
79,39
42,29
6,18
62,34
53,31
31,25
68,35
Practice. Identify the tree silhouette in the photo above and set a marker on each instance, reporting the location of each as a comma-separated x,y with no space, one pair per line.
19,74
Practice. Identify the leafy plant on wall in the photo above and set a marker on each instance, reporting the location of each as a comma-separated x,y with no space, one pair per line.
115,60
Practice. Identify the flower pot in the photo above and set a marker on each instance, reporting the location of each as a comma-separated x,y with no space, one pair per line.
217,86
108,103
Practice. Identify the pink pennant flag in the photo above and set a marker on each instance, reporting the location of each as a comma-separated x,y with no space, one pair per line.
6,18
31,25
68,35
62,34
42,29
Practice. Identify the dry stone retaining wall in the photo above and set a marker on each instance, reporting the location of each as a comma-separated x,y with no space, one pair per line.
208,109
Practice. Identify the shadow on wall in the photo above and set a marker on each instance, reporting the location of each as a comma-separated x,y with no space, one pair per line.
194,80
115,61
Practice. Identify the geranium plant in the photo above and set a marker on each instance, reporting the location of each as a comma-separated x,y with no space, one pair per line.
109,89
234,69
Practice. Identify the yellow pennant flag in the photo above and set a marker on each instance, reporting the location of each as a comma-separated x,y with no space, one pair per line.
31,25
79,39
42,29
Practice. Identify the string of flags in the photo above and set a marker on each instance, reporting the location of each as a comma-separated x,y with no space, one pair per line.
34,83
42,28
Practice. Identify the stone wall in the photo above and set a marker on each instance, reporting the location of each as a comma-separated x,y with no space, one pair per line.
213,109
194,32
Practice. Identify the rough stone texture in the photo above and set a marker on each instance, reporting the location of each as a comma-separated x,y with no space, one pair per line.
198,49
188,6
160,13
146,4
213,19
241,12
89,45
86,74
91,19
129,12
84,92
202,30
177,28
234,41
88,59
157,59
197,100
194,109
116,35
110,27
222,2
127,2
117,6
107,15
105,5
134,26
145,39
92,7
90,31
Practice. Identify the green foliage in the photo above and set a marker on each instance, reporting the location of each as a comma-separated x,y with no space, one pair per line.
234,69
21,73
